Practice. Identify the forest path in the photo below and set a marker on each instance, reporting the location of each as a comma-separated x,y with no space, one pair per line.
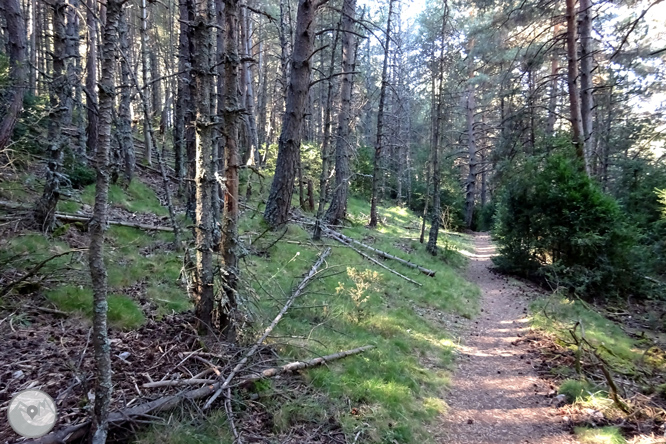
496,396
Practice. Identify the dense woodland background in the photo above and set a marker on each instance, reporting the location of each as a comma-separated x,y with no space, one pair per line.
540,120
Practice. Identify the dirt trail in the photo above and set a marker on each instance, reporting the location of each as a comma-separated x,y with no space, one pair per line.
496,396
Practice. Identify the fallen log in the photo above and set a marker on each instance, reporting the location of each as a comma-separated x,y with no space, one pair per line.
348,240
66,217
269,329
72,433
375,261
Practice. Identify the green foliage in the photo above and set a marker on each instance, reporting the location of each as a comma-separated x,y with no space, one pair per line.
575,389
137,198
601,435
80,175
123,312
554,223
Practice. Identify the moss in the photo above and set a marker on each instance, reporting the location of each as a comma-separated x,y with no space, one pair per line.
602,435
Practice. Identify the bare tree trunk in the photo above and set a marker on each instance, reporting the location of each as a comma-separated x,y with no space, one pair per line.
338,208
124,117
11,12
183,90
470,195
147,155
33,47
202,40
325,150
552,101
98,224
586,86
61,102
572,75
156,84
279,199
377,173
230,114
249,90
425,206
91,77
436,217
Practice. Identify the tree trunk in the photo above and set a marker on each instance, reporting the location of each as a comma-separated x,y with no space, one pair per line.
279,199
377,173
11,11
249,90
91,77
436,216
231,114
552,101
572,75
98,226
325,150
183,90
124,114
586,86
470,195
59,114
147,154
205,168
338,208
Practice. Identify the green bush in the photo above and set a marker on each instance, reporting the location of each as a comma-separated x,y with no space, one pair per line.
79,174
553,223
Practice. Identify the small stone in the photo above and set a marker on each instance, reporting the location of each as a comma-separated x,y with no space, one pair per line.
17,374
470,421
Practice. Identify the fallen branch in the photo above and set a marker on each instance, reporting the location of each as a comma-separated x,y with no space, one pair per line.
269,329
7,288
66,217
348,240
375,261
72,433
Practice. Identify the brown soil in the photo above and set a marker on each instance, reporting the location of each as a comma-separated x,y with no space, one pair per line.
497,395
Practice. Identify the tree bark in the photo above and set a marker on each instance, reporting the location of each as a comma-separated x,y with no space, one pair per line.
59,117
11,11
377,173
147,154
572,76
91,77
124,117
470,195
552,101
183,89
338,208
205,168
279,199
586,86
231,113
436,217
98,224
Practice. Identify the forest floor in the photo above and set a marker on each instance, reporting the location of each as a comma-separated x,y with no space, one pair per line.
497,396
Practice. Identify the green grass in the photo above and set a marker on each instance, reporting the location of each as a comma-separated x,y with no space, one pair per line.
602,435
397,387
138,198
123,312
169,298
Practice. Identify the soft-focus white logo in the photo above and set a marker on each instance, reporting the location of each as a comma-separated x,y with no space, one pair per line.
32,413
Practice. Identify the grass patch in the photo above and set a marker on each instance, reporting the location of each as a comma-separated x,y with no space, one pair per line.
169,298
603,435
123,311
137,198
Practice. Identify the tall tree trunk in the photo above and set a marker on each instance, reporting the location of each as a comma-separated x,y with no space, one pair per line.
205,167
377,173
124,114
91,76
338,208
156,83
11,11
279,199
586,86
572,75
33,47
436,216
470,195
325,150
552,101
98,224
183,90
145,66
230,115
59,116
253,146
